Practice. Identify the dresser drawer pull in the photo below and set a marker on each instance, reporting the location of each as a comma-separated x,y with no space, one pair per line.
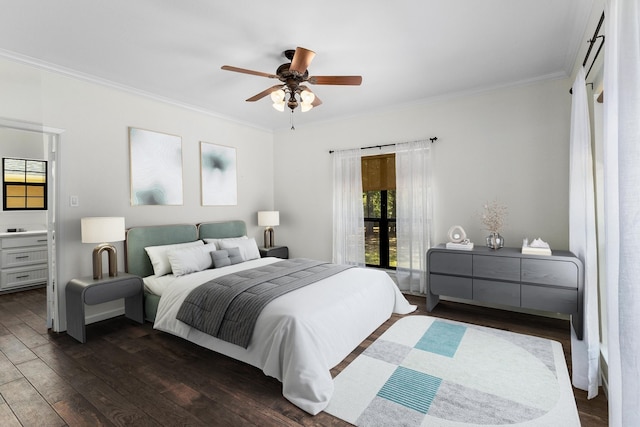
41,240
26,276
22,257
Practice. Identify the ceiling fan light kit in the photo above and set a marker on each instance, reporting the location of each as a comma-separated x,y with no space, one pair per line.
292,75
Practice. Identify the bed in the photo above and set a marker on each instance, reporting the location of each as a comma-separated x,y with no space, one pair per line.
295,338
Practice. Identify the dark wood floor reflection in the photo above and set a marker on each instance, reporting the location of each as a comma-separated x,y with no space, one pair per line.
130,374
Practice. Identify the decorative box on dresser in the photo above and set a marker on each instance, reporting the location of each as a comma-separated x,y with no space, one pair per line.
552,283
23,260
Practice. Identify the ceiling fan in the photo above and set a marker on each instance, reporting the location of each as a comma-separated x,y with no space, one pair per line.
292,75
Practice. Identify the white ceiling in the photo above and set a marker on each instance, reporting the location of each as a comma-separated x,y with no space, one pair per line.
408,51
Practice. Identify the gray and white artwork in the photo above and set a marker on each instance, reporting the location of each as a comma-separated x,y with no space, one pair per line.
219,179
156,168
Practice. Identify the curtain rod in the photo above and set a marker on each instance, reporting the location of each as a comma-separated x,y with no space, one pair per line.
591,42
433,139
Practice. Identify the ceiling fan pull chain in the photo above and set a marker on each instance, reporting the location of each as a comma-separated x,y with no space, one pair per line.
291,121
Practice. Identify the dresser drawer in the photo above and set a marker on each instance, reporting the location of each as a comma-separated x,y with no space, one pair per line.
23,276
505,293
20,242
496,267
550,299
459,287
450,263
26,256
550,272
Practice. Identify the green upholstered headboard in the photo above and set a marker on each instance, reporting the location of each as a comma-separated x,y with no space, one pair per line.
138,238
222,230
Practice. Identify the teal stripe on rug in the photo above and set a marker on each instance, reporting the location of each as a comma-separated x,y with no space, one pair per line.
412,389
442,338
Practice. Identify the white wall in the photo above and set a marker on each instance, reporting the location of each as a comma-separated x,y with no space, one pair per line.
511,144
94,158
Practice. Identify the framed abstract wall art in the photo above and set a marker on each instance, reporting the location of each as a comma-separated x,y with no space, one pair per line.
218,171
156,168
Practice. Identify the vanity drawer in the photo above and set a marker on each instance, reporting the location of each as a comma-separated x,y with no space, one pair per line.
17,277
23,241
26,256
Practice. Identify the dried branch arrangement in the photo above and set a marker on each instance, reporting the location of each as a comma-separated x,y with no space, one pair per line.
494,216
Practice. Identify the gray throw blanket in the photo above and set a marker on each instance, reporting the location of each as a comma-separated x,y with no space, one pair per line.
227,307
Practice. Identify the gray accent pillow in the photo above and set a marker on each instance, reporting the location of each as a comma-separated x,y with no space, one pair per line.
226,257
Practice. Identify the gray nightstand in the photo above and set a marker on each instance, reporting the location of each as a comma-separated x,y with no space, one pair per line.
275,251
88,290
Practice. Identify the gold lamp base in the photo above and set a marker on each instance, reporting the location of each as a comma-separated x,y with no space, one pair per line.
97,260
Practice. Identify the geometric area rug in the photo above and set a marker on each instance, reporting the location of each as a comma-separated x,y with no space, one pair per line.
425,371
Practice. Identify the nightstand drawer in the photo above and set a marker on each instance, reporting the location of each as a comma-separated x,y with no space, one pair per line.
276,251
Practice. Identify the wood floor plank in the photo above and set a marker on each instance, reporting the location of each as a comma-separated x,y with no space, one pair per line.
77,411
15,350
27,404
27,335
8,371
7,417
44,379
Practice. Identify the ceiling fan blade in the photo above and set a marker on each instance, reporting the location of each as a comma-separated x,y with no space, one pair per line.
336,80
264,93
245,71
301,60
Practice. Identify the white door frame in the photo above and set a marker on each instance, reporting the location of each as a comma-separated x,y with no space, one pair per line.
53,138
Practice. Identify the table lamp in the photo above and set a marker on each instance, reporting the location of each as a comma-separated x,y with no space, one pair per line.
103,230
268,219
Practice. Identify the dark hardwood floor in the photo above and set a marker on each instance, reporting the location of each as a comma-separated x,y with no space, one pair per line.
130,374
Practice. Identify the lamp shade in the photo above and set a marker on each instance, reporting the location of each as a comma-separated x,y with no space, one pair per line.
102,229
268,218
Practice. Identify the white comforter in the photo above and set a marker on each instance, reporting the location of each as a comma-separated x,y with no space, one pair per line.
301,335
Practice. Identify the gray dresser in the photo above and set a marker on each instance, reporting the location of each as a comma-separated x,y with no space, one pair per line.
507,277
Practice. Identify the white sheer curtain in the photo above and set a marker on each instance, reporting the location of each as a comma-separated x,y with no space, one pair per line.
622,207
348,211
585,354
413,213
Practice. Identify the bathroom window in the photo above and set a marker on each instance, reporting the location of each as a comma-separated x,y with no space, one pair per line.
24,184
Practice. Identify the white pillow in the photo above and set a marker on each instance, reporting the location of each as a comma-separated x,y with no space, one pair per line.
248,247
228,239
190,259
159,259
